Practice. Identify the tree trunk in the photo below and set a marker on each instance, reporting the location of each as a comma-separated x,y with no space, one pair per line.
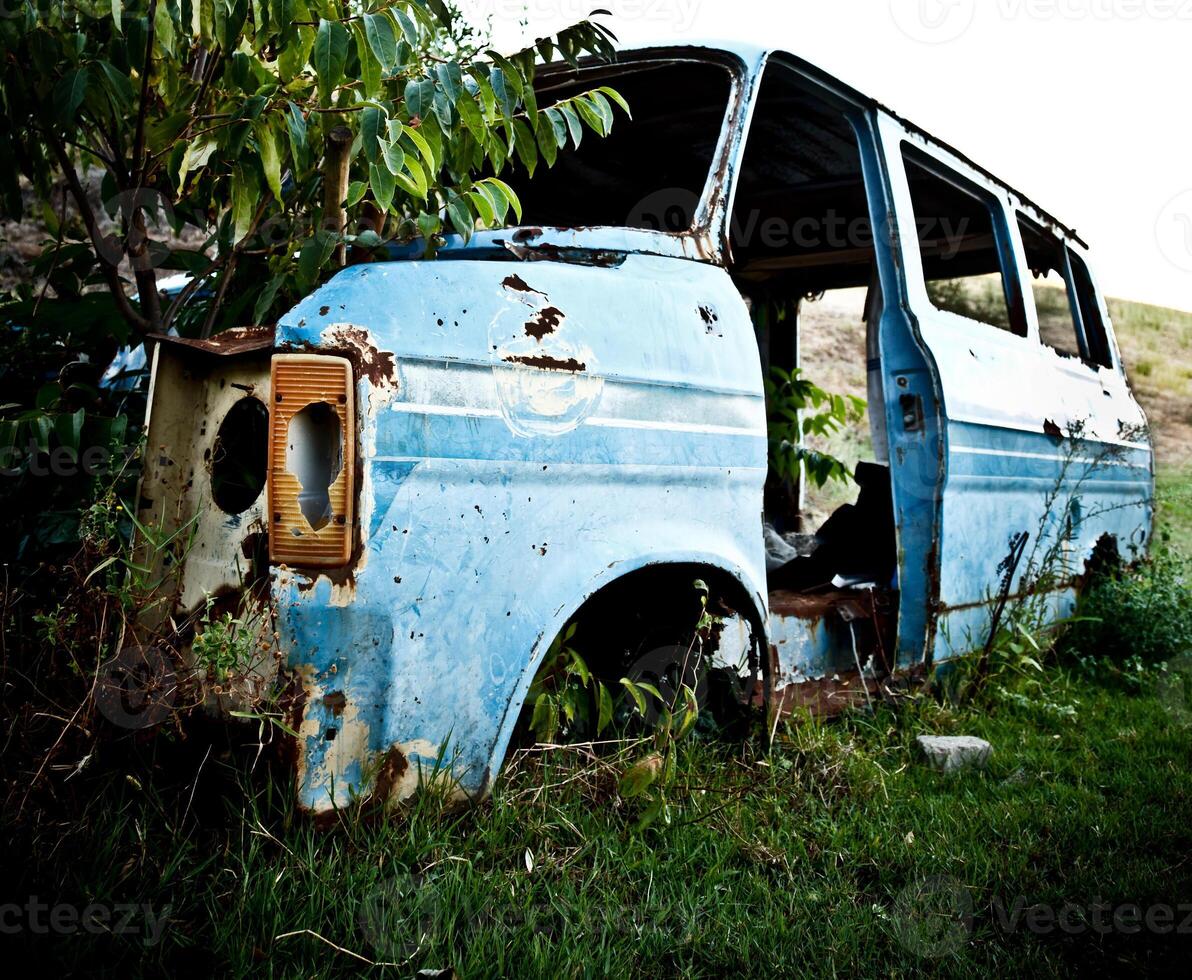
336,160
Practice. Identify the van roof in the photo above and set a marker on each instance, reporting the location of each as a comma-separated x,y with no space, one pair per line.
753,55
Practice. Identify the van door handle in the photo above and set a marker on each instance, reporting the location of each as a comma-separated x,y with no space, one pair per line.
912,412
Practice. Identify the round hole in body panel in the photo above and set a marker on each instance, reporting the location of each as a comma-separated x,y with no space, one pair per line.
239,456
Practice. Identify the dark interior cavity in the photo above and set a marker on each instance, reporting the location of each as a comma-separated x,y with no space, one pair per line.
239,456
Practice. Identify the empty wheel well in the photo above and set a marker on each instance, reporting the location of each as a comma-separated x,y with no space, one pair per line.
661,606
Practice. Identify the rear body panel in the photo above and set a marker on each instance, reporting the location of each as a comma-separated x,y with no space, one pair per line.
527,437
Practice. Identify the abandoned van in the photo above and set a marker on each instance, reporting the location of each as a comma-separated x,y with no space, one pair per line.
565,423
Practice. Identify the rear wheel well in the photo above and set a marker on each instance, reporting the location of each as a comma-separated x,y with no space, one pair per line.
655,608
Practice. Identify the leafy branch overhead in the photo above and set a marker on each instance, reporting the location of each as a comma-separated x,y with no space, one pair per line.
275,128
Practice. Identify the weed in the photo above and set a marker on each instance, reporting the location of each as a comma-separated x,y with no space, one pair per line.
228,645
1139,616
568,701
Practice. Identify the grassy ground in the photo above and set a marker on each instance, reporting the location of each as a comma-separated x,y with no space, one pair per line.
1174,491
833,852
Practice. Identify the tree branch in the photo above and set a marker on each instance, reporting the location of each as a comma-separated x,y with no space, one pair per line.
138,144
226,278
190,289
110,272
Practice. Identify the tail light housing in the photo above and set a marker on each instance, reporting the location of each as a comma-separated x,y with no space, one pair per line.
311,460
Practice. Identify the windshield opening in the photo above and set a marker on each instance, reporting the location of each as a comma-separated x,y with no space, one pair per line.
651,171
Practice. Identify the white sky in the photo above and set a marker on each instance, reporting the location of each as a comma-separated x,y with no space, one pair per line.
1080,104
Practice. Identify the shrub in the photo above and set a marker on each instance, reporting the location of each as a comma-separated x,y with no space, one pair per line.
1144,613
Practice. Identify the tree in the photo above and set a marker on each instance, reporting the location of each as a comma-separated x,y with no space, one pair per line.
277,128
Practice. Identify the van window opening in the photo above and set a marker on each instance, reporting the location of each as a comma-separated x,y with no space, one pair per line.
651,170
804,257
1046,257
959,246
1095,334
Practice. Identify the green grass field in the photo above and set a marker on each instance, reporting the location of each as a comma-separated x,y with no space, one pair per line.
831,852
1174,492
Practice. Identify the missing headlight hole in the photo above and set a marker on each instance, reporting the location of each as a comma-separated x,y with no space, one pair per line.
315,455
239,456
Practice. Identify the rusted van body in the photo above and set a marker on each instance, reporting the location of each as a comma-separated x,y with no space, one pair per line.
570,416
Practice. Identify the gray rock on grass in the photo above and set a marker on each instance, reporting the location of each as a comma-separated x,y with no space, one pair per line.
952,753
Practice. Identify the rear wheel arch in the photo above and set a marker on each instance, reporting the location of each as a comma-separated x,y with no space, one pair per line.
650,587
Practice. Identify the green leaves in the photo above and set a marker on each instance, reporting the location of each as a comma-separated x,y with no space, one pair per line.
230,16
244,200
470,114
798,408
527,148
641,776
296,131
328,58
419,95
69,93
372,130
240,101
269,148
370,68
313,256
378,30
383,183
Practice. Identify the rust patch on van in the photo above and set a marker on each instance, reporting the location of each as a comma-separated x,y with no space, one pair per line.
335,702
547,363
519,285
367,360
393,766
543,322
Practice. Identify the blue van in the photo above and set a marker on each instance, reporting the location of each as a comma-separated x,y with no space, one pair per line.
566,423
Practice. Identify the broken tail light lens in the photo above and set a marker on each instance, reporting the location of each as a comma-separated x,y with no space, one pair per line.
311,460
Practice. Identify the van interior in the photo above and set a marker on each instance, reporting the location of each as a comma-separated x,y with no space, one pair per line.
802,255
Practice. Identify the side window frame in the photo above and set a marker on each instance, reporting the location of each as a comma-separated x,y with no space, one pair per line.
1107,358
942,166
